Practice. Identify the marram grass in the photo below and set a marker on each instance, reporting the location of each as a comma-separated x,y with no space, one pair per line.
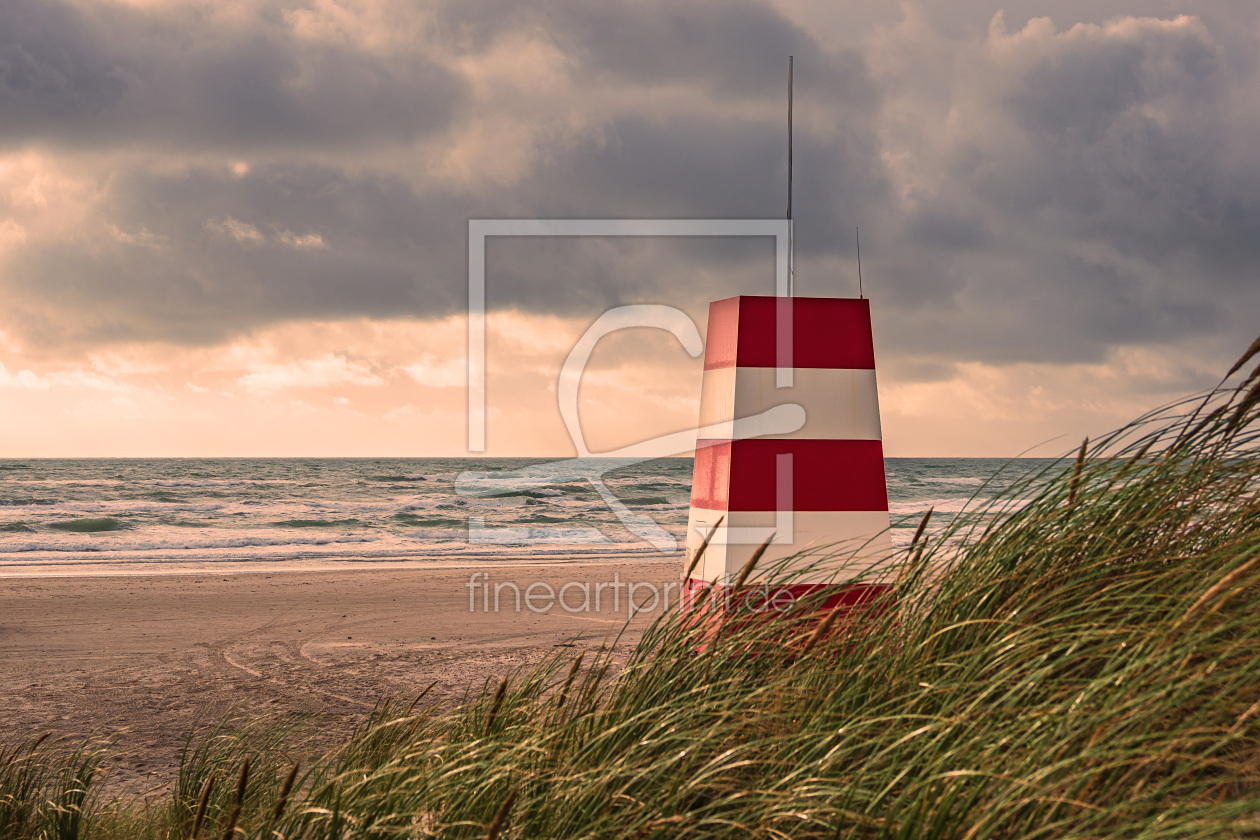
1085,663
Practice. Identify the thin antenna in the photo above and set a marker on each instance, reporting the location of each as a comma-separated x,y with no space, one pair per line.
789,204
791,237
857,234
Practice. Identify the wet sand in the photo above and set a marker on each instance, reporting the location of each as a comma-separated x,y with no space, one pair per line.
146,658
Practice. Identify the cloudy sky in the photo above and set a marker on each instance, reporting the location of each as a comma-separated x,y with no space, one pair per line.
239,227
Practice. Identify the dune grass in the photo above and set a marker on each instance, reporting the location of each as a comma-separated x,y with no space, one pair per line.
1085,664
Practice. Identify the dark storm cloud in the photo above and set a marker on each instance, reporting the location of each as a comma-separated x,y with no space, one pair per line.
733,49
224,253
1098,197
221,255
110,75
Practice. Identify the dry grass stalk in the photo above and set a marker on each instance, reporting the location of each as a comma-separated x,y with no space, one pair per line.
918,532
419,697
1248,402
695,561
823,628
35,746
501,815
704,593
568,682
916,556
241,783
284,793
750,565
1244,358
202,803
494,706
1076,473
1221,585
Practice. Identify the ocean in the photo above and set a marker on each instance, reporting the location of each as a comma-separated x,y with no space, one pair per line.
130,515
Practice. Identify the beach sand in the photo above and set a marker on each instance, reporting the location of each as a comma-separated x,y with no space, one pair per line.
148,657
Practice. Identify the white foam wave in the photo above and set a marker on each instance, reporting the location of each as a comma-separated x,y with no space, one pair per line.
956,505
241,482
452,544
517,535
920,506
108,542
67,482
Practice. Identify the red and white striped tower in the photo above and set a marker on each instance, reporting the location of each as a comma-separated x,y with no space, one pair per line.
822,485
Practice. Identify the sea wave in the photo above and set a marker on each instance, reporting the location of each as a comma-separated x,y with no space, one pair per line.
169,545
316,523
955,505
67,482
234,482
920,506
535,545
16,528
88,526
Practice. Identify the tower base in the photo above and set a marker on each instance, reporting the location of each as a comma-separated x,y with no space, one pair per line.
720,608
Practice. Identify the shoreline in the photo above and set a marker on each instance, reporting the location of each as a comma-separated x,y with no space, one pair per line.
155,568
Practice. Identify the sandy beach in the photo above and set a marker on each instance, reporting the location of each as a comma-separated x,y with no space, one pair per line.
147,657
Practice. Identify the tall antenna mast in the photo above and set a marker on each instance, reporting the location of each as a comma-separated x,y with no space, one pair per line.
857,235
791,237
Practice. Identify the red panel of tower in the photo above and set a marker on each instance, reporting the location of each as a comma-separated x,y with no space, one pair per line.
826,333
826,475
